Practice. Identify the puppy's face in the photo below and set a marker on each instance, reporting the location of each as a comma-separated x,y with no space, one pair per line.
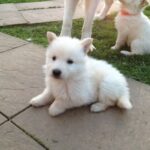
65,57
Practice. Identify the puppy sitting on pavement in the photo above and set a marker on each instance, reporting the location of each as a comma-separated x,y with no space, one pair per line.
133,27
74,79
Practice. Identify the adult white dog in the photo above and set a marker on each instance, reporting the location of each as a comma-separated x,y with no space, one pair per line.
90,9
73,79
133,27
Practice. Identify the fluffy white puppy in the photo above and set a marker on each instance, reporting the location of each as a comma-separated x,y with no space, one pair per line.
73,79
133,27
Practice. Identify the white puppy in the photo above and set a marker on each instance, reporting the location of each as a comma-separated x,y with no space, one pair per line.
133,27
90,9
73,79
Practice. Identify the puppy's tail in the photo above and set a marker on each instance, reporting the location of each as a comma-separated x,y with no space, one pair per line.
124,103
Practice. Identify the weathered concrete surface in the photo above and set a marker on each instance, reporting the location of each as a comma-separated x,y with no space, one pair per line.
11,18
11,138
114,129
40,5
7,7
47,15
8,42
43,15
20,77
2,119
36,12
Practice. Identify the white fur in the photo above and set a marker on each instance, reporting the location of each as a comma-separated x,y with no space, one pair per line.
90,8
133,30
85,81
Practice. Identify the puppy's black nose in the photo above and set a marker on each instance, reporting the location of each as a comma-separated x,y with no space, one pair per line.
56,73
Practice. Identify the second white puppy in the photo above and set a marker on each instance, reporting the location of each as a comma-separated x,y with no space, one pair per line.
133,27
73,79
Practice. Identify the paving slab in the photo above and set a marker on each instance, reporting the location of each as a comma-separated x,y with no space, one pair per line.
20,77
39,5
7,7
8,42
2,119
43,15
113,129
11,138
46,15
11,18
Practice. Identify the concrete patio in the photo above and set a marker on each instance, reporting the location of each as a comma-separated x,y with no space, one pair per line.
38,12
34,12
25,128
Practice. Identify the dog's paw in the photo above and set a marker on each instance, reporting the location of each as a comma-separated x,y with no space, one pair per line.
92,47
99,17
126,53
114,47
55,111
36,101
98,107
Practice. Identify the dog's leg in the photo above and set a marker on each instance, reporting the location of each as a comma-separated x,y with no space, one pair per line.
121,40
90,8
104,11
124,102
57,107
137,47
69,9
44,98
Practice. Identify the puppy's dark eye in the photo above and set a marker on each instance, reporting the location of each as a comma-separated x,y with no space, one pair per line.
54,58
69,61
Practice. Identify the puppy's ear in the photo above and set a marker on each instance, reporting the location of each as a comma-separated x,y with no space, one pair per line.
51,36
87,43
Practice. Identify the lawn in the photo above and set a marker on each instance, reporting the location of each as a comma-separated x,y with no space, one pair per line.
104,34
18,1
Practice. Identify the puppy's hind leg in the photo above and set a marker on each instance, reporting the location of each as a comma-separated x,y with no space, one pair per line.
103,99
98,107
126,53
137,48
69,9
104,11
124,102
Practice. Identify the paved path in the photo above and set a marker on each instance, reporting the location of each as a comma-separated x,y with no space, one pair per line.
25,128
38,12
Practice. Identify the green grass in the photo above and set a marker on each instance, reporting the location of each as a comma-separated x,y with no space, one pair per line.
104,34
18,1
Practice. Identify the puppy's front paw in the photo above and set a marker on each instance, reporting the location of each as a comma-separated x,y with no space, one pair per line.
92,47
36,101
55,111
